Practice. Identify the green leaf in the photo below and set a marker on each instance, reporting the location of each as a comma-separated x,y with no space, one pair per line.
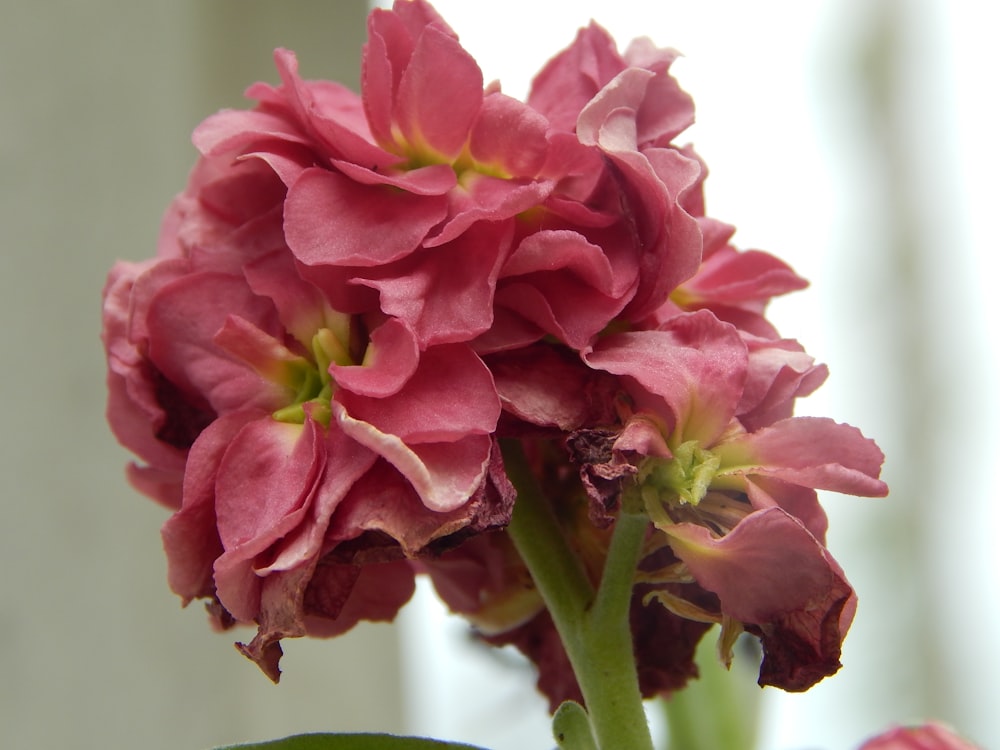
351,742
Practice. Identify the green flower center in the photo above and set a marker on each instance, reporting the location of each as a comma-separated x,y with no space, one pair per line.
311,379
681,480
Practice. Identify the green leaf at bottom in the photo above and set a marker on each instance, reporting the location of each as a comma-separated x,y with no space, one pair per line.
351,742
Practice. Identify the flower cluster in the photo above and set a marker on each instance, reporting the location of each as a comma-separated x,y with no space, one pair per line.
357,298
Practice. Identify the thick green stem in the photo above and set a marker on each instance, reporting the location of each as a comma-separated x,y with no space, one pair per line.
593,625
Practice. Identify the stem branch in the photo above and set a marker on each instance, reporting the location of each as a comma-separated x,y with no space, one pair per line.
593,625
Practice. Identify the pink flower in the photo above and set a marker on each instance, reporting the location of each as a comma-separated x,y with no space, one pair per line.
383,188
737,507
307,451
930,736
615,236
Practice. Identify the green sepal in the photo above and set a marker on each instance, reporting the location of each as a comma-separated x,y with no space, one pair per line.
351,742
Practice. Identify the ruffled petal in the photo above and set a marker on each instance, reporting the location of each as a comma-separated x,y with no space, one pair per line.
695,363
771,574
810,451
332,220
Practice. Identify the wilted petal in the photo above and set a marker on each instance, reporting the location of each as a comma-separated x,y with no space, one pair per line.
770,573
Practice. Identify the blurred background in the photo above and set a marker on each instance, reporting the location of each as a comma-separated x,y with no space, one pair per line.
855,138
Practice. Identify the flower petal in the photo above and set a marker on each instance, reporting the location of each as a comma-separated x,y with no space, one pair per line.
439,94
696,363
332,220
769,572
810,451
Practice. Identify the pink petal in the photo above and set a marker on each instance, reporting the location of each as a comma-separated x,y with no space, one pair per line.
439,94
770,572
544,385
267,480
695,363
384,58
165,486
386,504
234,130
330,220
183,321
332,114
779,372
809,451
666,109
732,277
450,395
572,78
302,308
510,136
480,197
190,536
564,284
134,409
434,179
444,475
445,293
389,362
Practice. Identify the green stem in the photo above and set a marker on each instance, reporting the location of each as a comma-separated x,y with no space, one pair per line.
593,625
720,710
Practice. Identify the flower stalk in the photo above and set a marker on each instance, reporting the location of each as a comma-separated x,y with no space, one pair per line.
592,624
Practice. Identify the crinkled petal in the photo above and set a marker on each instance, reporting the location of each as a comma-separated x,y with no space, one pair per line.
696,363
332,114
571,79
445,293
449,396
810,451
183,320
779,371
444,475
191,536
390,360
769,572
267,480
385,503
331,220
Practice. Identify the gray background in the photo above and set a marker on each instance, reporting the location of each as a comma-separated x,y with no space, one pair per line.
98,101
